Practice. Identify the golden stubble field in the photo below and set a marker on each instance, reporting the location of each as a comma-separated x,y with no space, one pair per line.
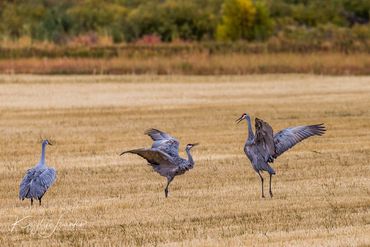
321,190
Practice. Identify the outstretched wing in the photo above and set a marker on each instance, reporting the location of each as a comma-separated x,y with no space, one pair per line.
265,140
164,142
37,182
153,156
287,138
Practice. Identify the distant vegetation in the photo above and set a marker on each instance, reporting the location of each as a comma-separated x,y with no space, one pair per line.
185,36
95,22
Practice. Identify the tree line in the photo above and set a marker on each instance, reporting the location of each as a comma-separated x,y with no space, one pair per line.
186,20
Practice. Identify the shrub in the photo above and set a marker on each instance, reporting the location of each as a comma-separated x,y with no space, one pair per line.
243,19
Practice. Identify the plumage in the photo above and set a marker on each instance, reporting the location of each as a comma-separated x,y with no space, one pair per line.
164,157
287,138
264,140
263,147
153,156
36,182
37,179
164,142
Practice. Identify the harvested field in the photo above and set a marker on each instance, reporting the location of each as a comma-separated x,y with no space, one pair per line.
321,190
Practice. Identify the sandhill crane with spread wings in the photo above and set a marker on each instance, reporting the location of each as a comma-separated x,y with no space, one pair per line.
37,179
164,157
263,147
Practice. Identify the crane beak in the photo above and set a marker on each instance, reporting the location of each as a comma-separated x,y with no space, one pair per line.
195,144
51,144
239,119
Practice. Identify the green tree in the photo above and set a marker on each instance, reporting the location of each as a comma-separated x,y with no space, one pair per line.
172,19
238,18
147,19
188,21
104,17
263,24
244,20
55,24
18,19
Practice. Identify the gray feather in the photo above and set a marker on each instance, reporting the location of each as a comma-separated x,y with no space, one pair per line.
36,182
164,157
153,156
164,142
264,140
263,147
287,138
37,179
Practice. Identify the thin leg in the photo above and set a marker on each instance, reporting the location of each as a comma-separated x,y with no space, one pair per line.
31,201
40,201
169,180
270,185
263,196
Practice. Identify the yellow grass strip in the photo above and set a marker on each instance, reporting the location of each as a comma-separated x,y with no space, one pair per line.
197,64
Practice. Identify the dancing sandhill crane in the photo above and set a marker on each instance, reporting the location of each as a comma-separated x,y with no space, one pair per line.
164,157
37,179
263,147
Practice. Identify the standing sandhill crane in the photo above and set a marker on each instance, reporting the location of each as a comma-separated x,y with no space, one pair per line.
164,157
263,147
37,179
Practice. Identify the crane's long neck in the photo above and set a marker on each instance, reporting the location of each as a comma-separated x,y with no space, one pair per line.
190,158
250,130
42,160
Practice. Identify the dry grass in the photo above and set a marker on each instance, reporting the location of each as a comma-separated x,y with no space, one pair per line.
196,63
321,188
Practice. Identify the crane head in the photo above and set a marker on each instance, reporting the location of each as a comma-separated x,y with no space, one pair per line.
243,116
46,142
190,145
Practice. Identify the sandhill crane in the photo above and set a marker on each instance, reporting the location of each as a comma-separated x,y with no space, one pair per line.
164,157
37,179
263,147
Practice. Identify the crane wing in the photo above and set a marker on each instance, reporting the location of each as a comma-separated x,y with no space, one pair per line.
287,138
41,183
164,142
36,182
153,156
24,187
265,140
